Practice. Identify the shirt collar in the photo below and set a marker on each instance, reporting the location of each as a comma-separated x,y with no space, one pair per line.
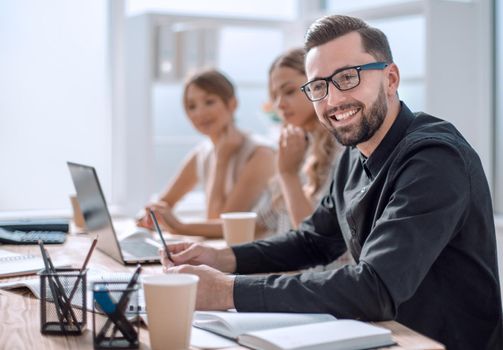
374,163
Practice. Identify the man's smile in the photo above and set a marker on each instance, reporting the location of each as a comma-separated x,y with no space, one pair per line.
343,115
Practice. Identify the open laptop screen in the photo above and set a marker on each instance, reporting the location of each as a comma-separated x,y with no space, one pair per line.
94,208
91,201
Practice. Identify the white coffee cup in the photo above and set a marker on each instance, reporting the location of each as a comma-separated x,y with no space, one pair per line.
239,227
170,301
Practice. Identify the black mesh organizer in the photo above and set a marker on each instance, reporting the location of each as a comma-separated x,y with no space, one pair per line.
116,320
63,301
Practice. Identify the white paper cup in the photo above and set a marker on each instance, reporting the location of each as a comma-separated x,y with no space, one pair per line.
239,227
170,301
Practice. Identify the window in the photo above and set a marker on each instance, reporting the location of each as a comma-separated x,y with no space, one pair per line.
55,100
278,9
342,5
406,36
174,136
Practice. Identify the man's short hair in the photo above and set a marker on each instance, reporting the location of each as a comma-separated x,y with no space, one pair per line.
328,28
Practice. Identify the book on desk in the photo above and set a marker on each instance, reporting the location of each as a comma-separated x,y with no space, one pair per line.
293,331
14,264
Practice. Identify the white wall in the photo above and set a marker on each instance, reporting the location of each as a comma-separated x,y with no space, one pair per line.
459,71
54,79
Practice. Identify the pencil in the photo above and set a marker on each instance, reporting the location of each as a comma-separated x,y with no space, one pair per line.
52,286
88,256
158,229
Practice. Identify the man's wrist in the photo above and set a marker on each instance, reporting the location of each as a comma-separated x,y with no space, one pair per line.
229,293
226,260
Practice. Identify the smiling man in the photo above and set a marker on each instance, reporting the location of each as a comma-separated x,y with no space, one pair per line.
409,199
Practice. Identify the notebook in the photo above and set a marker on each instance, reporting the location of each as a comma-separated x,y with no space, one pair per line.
136,247
33,284
293,331
14,264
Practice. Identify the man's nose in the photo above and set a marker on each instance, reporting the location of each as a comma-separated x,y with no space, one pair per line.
335,96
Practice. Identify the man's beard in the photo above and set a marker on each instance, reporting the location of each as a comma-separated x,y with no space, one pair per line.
370,122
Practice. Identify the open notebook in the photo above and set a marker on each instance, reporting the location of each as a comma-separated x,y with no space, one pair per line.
14,264
293,331
33,285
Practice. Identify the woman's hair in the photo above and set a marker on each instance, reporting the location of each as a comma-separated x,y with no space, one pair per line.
211,81
323,148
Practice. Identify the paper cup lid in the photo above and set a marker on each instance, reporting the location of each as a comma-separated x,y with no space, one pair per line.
170,279
239,215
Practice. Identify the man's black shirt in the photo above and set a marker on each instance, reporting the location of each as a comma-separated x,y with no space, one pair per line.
417,218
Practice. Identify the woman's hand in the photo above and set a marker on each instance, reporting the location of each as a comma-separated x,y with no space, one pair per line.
229,142
292,149
143,218
164,214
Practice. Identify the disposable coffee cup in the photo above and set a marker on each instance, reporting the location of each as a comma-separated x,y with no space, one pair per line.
78,217
239,227
170,301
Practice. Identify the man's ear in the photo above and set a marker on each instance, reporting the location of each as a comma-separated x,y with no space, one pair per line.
393,79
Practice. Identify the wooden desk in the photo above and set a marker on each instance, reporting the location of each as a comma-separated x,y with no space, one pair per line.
20,311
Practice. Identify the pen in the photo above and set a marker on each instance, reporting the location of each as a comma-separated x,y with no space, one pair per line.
52,287
88,256
64,301
158,229
79,277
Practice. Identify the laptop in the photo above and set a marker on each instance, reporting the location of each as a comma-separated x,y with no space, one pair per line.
136,247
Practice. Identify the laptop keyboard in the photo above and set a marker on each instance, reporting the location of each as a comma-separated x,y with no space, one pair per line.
139,248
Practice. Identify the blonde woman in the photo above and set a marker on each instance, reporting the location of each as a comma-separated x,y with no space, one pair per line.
307,152
232,167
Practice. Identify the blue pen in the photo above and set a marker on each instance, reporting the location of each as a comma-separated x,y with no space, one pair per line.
110,308
115,311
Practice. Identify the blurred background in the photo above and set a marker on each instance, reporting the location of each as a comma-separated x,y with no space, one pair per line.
99,82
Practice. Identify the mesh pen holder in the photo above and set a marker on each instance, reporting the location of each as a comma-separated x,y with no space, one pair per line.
63,301
116,318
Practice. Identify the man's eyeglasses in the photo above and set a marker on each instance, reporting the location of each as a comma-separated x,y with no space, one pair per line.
343,79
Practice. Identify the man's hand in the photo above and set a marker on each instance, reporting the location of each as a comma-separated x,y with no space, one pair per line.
197,254
215,288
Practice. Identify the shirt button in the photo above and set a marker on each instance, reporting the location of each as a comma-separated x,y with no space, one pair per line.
363,190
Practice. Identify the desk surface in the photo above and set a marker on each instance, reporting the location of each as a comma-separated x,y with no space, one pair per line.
20,321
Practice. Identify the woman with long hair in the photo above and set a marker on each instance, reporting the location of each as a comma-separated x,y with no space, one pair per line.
307,152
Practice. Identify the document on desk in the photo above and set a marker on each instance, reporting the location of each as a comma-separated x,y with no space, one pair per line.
14,264
33,284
